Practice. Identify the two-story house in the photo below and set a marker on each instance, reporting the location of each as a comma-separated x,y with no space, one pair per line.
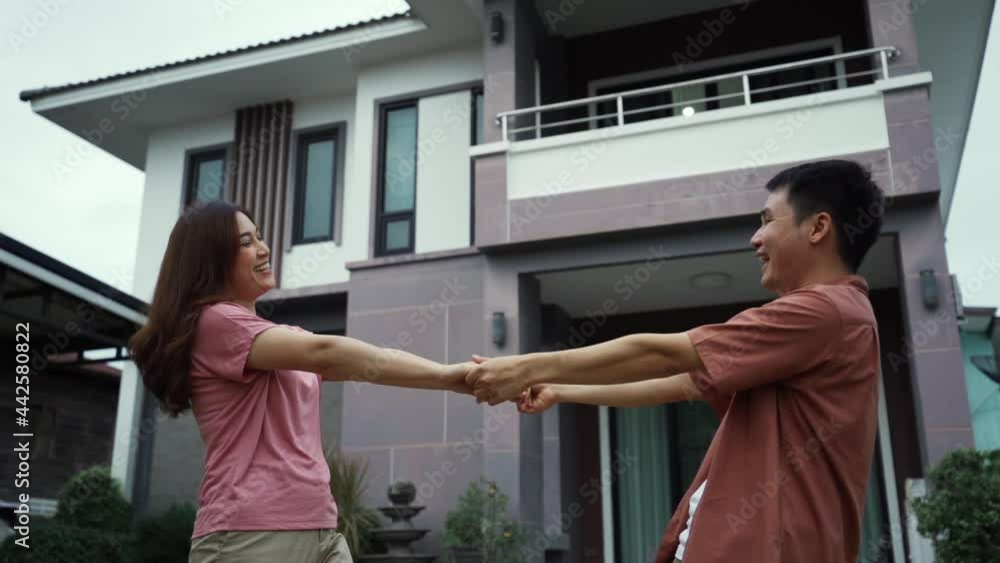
504,176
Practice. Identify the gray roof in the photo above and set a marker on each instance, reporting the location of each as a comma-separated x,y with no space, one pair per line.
28,95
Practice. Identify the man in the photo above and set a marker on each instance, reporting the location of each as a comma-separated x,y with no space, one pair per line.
795,383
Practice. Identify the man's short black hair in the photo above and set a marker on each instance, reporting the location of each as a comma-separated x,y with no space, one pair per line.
845,190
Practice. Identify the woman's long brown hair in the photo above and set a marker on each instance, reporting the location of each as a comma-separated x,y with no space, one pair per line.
200,254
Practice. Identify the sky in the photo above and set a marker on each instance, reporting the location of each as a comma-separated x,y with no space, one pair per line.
973,240
89,218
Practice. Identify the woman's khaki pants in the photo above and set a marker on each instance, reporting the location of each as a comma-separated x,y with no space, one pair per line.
298,546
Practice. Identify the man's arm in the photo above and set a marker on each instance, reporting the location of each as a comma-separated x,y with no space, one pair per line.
627,359
639,394
673,389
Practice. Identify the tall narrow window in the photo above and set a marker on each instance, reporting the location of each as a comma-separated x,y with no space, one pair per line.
478,138
316,167
206,176
477,117
397,192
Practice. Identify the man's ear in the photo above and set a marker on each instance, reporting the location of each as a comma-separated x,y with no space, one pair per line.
822,227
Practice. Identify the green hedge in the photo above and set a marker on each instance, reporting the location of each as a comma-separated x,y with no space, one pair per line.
91,525
52,541
92,499
164,538
961,514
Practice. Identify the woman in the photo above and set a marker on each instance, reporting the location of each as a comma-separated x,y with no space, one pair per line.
254,388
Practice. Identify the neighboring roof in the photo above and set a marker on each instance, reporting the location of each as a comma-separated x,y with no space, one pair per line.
981,311
70,273
28,95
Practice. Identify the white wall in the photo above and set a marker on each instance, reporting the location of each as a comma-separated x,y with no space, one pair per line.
971,238
323,262
163,192
398,80
444,172
726,139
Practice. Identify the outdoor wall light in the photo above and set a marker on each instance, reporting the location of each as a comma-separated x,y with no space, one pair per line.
499,329
929,288
496,27
687,111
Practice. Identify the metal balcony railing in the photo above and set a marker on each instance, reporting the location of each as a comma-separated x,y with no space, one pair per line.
737,84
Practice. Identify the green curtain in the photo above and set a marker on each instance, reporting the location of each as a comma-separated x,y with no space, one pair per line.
643,494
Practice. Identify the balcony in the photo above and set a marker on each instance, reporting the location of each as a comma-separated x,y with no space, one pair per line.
683,151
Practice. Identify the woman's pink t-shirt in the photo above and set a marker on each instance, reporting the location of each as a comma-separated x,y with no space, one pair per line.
264,462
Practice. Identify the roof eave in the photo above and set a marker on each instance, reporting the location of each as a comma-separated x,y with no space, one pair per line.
34,94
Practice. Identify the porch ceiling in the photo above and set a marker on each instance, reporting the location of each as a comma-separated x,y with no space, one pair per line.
670,287
570,18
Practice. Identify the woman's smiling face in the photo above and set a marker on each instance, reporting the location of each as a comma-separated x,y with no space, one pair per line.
251,275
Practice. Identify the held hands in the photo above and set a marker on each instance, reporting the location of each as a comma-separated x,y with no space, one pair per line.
496,380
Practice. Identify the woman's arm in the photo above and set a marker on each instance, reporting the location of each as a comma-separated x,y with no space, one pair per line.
339,358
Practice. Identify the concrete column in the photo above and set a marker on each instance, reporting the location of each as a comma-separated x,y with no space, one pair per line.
128,434
509,83
891,22
932,345
513,454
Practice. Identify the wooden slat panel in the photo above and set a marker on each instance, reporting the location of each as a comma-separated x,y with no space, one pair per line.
281,178
268,161
240,176
263,181
263,134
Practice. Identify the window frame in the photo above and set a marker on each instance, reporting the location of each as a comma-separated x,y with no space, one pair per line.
382,218
301,138
200,154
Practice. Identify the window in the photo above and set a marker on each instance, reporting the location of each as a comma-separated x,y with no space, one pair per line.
397,186
478,137
317,166
477,117
206,175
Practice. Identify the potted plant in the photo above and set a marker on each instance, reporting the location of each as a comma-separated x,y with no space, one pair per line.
961,514
478,529
347,484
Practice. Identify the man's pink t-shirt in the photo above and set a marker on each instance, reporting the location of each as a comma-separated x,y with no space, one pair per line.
264,462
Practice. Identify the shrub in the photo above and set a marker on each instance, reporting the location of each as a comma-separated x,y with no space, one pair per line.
53,541
961,514
91,524
480,521
92,499
164,538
